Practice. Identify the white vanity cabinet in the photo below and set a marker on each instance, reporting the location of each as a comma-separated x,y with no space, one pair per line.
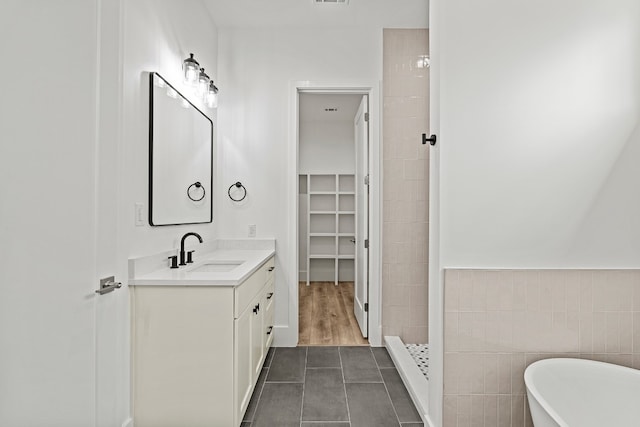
198,350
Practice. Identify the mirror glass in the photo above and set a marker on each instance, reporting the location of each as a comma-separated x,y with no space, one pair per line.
180,157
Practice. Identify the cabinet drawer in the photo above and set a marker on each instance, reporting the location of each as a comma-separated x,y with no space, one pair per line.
246,291
270,295
268,324
268,328
271,266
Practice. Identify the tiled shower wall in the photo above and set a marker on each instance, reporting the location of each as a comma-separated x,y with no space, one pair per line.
405,185
497,322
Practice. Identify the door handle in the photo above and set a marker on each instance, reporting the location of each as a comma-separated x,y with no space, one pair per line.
353,241
432,139
108,284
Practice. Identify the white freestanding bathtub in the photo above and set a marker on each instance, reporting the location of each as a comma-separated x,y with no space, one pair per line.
582,393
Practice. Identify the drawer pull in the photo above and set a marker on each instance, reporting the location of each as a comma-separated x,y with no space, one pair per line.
269,329
271,268
256,309
269,295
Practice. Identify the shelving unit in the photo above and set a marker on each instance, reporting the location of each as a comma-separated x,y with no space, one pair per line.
330,226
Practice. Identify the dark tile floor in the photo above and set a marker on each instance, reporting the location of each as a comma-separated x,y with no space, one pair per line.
330,387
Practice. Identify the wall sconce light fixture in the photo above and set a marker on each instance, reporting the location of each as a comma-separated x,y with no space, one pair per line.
191,70
195,77
211,98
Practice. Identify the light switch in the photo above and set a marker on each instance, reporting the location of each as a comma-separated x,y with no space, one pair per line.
252,230
139,214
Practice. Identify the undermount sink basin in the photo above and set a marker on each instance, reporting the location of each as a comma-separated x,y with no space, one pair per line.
217,267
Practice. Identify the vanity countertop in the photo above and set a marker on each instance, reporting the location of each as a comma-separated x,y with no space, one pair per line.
208,269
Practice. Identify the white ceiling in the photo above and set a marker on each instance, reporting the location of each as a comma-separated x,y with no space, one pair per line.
306,13
313,105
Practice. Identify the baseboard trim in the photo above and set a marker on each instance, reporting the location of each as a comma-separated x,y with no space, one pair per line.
284,336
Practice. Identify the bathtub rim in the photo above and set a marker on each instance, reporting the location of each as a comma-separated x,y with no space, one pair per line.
533,391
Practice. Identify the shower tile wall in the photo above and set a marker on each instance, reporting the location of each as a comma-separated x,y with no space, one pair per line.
497,322
405,185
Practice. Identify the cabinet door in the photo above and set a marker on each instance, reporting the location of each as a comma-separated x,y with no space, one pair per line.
243,377
257,308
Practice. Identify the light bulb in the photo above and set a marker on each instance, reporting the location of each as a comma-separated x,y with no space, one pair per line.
190,69
191,76
203,83
211,98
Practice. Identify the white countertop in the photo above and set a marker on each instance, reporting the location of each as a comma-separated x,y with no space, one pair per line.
250,260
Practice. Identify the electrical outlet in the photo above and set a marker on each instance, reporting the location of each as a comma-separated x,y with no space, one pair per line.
252,230
139,214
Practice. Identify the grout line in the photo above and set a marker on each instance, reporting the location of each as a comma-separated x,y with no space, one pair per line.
374,358
304,382
344,386
388,395
255,411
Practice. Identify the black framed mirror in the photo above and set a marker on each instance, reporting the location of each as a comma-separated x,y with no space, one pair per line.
180,158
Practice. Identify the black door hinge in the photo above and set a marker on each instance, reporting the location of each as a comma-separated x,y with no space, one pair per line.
366,306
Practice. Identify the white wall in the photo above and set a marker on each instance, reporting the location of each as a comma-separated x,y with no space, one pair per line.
159,34
539,129
257,67
327,147
536,106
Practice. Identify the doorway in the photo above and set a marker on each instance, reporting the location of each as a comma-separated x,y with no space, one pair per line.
333,219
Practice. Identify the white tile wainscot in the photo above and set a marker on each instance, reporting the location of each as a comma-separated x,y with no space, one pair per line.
199,339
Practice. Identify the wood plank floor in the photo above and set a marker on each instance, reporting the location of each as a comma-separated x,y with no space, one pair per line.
326,315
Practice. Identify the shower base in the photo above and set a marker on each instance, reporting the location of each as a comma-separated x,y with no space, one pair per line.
412,362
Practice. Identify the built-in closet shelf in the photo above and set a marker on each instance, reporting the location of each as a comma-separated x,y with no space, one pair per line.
330,226
322,212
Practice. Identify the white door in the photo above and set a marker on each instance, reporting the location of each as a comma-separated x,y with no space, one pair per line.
47,218
57,234
361,297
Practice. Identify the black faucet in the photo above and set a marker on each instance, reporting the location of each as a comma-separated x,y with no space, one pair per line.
182,253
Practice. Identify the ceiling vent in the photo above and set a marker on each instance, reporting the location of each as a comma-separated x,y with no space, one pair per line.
331,1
